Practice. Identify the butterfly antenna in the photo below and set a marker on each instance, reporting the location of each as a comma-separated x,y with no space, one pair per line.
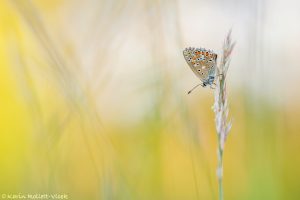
189,92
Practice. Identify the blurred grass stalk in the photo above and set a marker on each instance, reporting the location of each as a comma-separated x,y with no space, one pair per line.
221,108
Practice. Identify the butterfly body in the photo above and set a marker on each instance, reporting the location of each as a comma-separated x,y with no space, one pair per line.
209,81
203,63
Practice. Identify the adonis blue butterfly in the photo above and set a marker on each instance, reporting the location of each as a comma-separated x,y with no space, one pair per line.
203,63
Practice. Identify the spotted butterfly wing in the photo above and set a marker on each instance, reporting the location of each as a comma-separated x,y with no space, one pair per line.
202,62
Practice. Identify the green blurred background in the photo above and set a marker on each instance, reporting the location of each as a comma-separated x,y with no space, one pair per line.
93,99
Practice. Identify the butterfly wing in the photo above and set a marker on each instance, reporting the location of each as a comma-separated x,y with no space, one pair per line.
201,62
191,58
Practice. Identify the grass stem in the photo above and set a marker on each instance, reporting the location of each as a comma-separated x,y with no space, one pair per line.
220,107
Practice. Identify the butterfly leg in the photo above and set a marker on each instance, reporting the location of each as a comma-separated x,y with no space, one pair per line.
221,75
211,86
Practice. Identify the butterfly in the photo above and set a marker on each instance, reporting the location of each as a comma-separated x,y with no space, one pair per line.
203,63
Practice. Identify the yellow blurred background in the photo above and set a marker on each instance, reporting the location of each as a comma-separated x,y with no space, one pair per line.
93,99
